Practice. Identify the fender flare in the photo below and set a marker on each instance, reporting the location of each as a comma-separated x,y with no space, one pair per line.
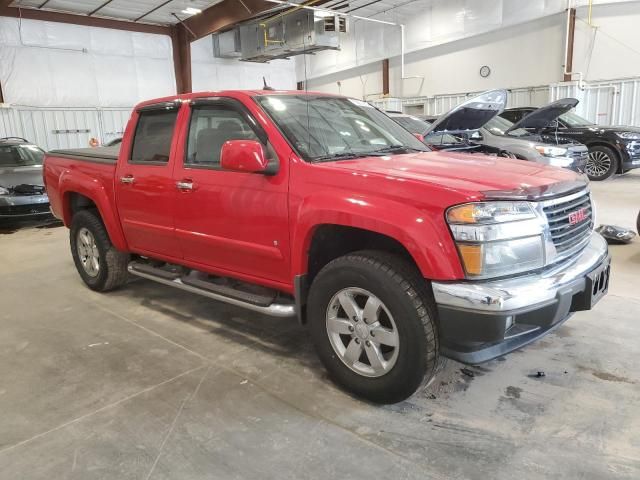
76,182
429,243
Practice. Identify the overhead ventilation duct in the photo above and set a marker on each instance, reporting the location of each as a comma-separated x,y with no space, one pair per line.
227,44
295,33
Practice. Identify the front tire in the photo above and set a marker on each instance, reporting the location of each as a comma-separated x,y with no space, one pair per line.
372,321
602,163
101,266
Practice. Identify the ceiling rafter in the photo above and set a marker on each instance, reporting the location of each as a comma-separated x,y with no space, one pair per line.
167,2
75,19
99,8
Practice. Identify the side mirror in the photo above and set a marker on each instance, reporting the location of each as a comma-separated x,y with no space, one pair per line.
243,156
419,136
476,136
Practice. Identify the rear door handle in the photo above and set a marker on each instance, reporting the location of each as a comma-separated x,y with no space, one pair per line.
128,179
184,185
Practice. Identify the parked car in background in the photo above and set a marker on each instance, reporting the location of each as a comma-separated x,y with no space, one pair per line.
437,141
114,142
320,206
525,140
478,128
22,192
614,149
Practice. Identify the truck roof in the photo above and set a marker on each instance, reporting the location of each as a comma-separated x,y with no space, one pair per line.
233,93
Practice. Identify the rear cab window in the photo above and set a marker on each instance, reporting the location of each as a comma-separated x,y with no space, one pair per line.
153,136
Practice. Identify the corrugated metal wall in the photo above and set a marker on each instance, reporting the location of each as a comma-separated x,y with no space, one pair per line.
438,104
611,102
52,128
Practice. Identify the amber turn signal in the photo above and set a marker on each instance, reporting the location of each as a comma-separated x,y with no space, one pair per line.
471,258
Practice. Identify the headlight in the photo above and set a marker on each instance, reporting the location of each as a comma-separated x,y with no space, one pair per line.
551,151
629,135
560,162
4,191
496,239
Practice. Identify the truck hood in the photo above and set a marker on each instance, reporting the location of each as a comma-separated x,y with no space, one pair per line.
470,174
26,175
543,116
472,114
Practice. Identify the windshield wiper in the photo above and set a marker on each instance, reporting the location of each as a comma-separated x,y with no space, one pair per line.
395,148
336,156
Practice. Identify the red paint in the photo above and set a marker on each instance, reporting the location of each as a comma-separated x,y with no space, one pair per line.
259,227
243,156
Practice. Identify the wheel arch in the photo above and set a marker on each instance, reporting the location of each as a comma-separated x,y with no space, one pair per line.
76,196
602,143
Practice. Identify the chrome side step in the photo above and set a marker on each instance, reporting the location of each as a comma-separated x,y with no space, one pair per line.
273,310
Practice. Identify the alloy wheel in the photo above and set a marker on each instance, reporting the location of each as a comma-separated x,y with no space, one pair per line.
362,332
598,165
88,252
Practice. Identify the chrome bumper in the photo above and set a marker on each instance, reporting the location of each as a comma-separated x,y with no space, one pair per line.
479,321
520,292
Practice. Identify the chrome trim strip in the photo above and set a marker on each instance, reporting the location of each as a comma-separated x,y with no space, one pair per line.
273,310
520,292
568,198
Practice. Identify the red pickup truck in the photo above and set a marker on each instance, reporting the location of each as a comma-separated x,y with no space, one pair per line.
322,207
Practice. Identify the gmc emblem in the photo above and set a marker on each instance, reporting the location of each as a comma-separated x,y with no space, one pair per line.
577,216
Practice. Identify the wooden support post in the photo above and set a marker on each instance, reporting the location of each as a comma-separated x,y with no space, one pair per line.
572,30
181,43
385,76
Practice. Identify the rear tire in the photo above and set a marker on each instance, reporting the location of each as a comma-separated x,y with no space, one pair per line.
384,358
101,266
603,163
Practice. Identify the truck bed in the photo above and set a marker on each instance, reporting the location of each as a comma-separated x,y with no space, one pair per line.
96,155
81,170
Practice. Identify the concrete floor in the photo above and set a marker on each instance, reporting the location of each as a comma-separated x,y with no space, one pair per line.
149,382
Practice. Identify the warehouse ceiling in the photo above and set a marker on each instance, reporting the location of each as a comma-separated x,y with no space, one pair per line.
161,12
164,12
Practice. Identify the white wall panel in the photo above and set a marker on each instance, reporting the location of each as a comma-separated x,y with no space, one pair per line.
51,64
209,73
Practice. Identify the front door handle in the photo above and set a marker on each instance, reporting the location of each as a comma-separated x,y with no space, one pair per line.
128,179
184,185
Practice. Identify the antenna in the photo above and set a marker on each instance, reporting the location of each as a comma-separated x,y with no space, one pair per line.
265,86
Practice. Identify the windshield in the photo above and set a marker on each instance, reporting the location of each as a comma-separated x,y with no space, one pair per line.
413,124
572,119
330,128
20,155
499,126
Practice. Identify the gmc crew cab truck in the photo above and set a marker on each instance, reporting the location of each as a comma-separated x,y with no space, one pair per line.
292,203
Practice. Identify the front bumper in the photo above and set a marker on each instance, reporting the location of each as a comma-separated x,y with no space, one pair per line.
630,153
479,321
23,206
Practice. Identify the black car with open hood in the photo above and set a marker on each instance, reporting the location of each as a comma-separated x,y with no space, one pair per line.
612,149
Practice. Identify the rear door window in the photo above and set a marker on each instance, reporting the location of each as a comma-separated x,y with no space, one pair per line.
152,140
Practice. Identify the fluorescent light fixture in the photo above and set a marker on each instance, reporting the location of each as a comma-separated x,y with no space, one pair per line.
191,11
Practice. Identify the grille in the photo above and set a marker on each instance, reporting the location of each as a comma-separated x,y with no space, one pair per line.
19,210
579,154
580,159
25,189
570,230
